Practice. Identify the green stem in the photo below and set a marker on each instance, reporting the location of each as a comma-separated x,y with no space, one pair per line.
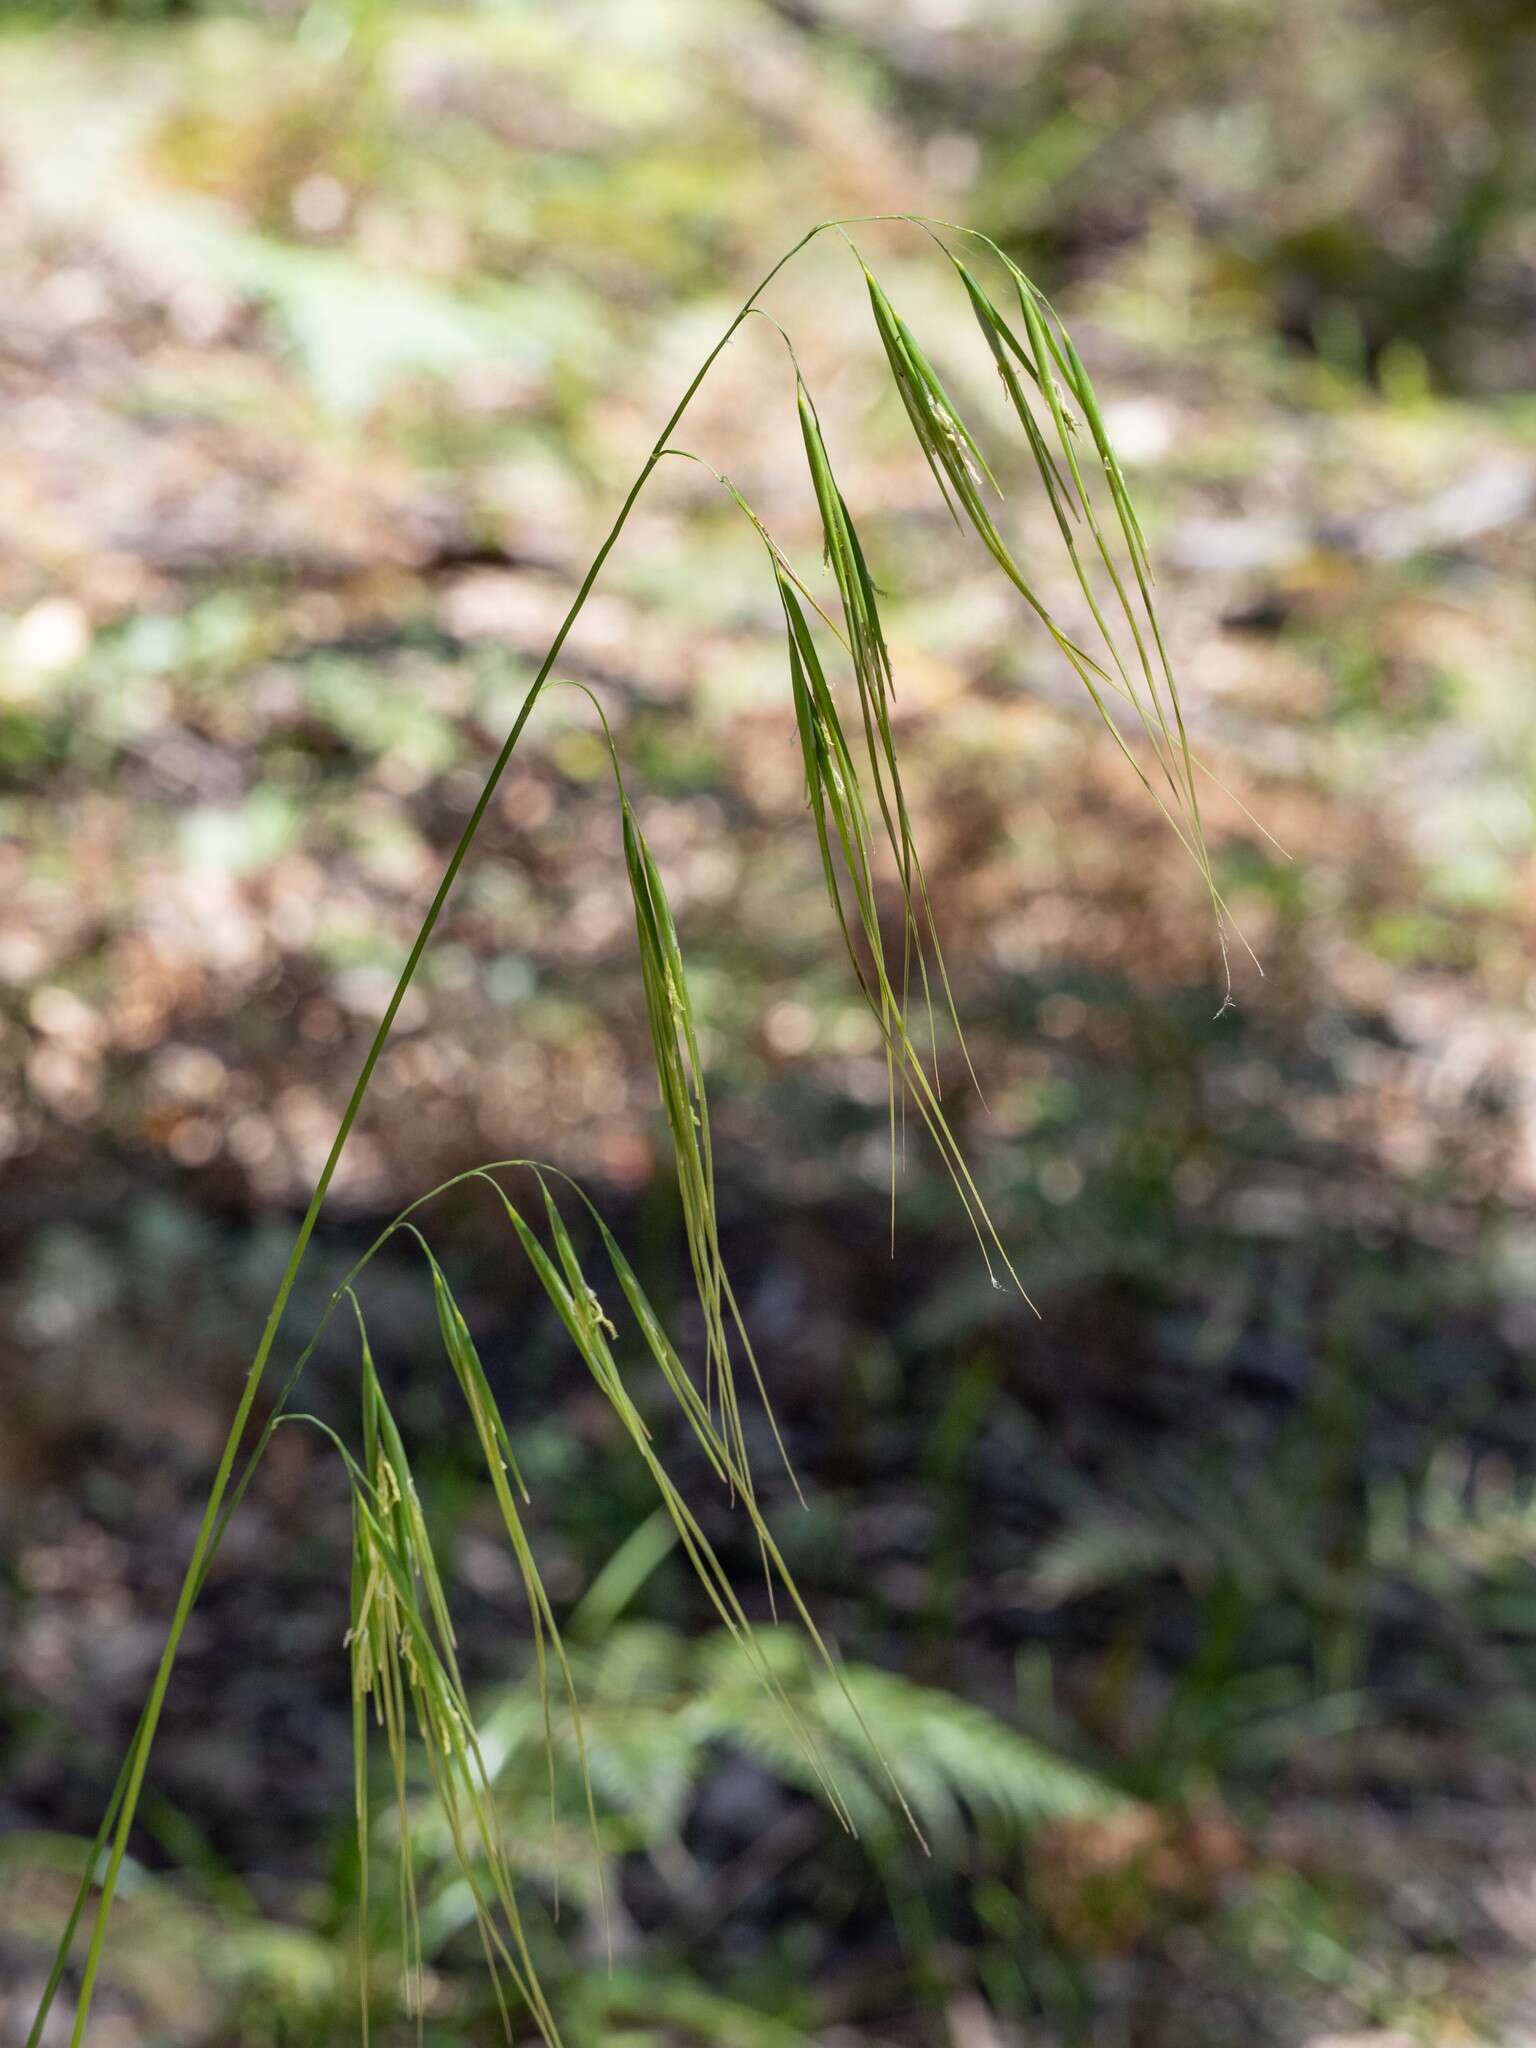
138,1758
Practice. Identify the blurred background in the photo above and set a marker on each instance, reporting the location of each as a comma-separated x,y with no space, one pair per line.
330,338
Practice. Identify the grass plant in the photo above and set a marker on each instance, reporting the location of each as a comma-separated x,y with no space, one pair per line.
406,1679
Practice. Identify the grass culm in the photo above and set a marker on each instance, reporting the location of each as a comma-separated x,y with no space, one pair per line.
406,1682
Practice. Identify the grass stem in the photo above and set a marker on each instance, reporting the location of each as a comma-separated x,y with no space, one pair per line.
138,1758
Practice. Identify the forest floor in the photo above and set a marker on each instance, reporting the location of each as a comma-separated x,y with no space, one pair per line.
323,372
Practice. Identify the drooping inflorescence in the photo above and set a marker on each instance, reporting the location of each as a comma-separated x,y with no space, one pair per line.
405,1672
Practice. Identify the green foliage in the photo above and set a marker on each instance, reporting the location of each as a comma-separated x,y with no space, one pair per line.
658,1706
658,1713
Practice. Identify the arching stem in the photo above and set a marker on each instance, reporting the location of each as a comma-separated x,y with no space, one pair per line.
138,1758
